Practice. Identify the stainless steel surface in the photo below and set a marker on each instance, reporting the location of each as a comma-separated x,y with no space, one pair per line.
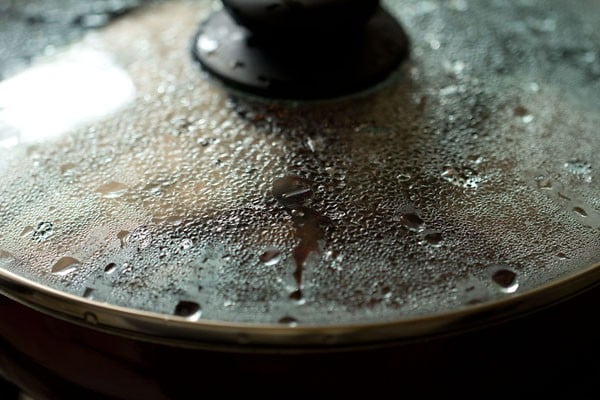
461,191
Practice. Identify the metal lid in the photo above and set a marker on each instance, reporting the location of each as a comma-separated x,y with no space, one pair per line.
140,196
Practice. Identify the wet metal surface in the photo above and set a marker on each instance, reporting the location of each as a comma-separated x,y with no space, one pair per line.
469,176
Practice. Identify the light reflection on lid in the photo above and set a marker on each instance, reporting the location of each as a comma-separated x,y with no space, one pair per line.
75,87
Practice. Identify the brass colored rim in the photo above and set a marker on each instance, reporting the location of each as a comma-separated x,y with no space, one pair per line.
229,336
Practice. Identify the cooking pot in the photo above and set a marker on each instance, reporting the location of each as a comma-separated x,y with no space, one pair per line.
169,228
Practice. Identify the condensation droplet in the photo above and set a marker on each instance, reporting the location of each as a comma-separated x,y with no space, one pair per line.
26,231
67,168
175,220
188,309
110,268
297,213
5,255
88,293
291,191
270,257
463,177
112,190
523,114
544,184
290,321
122,236
186,244
506,279
411,221
434,239
65,266
403,177
580,212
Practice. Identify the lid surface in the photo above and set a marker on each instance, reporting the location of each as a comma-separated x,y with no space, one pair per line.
139,194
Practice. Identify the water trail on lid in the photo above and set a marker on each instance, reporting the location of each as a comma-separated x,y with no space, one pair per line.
294,194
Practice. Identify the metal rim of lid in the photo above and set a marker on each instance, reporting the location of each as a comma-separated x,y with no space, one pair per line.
248,337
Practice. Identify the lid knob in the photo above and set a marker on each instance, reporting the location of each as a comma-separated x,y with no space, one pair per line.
304,17
301,49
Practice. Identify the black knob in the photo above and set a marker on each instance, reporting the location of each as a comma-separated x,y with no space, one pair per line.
285,17
301,49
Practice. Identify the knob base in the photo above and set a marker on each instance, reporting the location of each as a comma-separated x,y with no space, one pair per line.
301,66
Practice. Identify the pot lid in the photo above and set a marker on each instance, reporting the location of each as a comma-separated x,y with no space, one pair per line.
141,195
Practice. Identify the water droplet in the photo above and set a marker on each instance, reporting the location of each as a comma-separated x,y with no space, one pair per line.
411,221
387,292
291,191
5,256
297,213
67,168
186,244
110,268
580,212
506,279
43,231
296,295
65,266
88,293
544,183
290,321
188,309
434,239
26,231
175,220
562,256
403,177
270,257
112,190
122,236
462,177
